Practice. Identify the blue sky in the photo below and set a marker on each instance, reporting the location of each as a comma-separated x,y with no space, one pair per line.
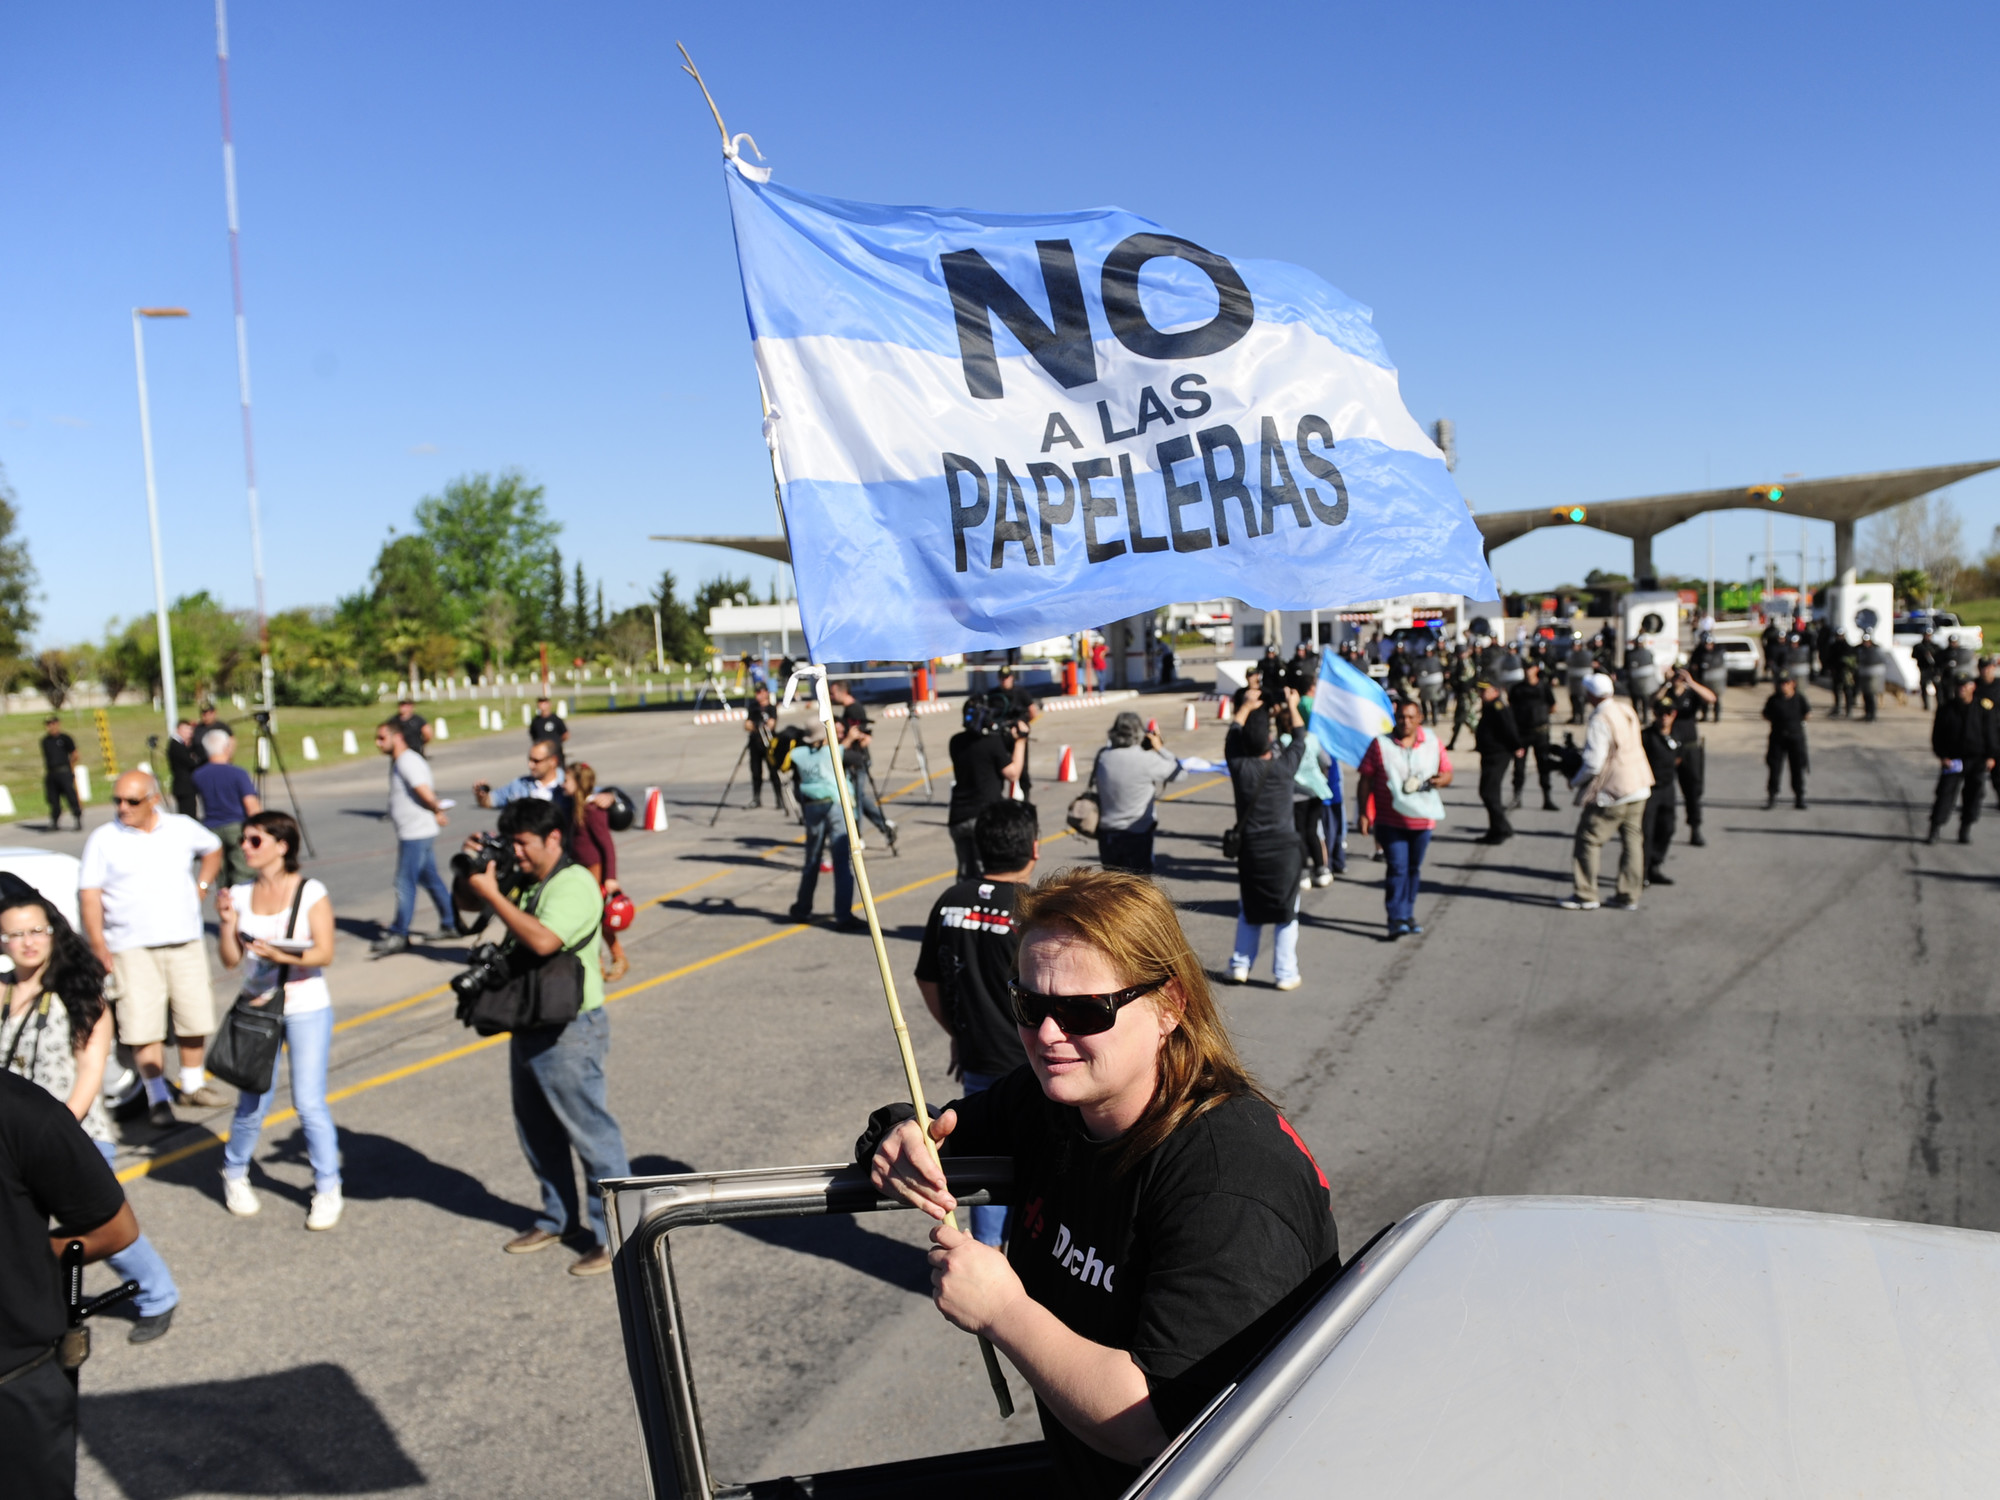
1626,249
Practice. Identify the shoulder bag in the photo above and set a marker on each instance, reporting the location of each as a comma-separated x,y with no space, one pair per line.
540,994
244,1050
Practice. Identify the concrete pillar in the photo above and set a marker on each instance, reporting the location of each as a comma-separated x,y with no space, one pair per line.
1643,575
1843,552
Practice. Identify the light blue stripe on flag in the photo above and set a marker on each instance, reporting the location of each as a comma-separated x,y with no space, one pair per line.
1350,710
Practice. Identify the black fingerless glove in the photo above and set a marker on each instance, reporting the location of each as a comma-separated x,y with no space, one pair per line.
884,1120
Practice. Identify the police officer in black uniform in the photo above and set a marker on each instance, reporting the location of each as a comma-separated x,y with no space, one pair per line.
1499,744
1533,702
1774,641
1787,711
1709,666
1925,652
1964,741
1838,658
1871,672
1581,664
1689,696
1663,756
1987,696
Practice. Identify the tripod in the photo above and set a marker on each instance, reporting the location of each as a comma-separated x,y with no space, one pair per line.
923,760
265,736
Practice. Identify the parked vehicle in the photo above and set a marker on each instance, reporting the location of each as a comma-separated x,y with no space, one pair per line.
1491,1347
1745,657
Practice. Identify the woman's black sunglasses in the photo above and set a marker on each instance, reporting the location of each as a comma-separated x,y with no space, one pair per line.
1077,1015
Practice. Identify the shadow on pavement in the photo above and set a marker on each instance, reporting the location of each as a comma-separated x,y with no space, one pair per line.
1966,876
304,1431
376,1168
1834,833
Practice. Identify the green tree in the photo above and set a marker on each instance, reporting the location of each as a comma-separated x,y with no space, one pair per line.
406,602
555,622
579,620
55,674
680,635
316,659
486,532
17,584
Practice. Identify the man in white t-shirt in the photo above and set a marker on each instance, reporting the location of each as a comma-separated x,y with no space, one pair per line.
140,898
417,814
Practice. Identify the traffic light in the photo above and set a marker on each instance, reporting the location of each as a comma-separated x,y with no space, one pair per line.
1574,514
1774,493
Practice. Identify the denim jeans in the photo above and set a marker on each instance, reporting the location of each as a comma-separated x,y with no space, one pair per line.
865,802
1403,853
1284,947
559,1103
989,1220
824,826
308,1040
416,866
140,1262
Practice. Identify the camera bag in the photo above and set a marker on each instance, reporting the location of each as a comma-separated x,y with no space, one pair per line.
542,994
244,1050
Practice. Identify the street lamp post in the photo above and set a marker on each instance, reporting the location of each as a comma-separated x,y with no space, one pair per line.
168,697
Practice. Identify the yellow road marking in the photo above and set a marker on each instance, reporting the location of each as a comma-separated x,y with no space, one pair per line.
390,1009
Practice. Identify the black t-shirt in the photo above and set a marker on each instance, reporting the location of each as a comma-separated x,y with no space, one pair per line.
1687,703
546,727
968,953
976,763
1532,703
755,713
57,748
413,731
1662,755
1185,1261
50,1171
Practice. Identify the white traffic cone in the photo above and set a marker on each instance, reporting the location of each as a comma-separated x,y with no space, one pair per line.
1188,717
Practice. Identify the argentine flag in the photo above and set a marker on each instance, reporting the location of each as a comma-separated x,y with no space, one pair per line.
993,428
1350,710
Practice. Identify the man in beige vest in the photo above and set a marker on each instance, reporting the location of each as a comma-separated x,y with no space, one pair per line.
1612,786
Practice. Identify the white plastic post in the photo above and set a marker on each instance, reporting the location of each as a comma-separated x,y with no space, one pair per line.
263,753
443,730
1188,717
83,784
562,708
6,803
309,748
347,743
527,714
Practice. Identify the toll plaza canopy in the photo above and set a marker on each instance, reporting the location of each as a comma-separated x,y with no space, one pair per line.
1842,501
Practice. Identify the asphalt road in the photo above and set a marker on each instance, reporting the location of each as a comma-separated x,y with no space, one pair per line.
1804,1020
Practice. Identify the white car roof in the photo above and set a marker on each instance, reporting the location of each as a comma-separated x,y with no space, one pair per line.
52,873
1537,1347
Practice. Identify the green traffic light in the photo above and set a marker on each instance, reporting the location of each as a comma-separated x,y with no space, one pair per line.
1775,494
1576,514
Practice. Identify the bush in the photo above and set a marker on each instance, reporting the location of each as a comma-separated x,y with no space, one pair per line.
317,690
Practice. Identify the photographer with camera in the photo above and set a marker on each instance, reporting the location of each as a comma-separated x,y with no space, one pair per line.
543,783
988,758
557,1071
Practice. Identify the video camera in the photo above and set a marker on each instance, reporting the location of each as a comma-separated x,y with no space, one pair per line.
992,711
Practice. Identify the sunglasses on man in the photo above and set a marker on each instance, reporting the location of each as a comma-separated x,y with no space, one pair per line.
1077,1015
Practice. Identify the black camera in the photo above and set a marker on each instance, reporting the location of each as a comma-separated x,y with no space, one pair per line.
487,968
496,850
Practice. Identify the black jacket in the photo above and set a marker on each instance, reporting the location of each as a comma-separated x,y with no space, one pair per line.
1963,731
1532,703
181,762
1497,733
1788,716
1662,754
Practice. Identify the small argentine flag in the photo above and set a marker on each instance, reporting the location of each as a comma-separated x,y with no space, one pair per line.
1349,710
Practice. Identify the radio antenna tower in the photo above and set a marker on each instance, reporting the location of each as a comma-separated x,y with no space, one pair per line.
242,345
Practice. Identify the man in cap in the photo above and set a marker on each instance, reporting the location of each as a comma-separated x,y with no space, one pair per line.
1533,702
1963,740
59,772
1612,786
1787,711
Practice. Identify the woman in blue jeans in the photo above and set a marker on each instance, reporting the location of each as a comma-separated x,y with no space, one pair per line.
281,906
1399,780
55,1030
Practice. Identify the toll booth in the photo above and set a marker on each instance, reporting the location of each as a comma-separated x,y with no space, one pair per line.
1858,609
1652,618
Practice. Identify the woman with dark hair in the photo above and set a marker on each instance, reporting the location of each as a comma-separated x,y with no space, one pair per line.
1270,855
1167,1220
283,920
590,845
1399,778
56,1032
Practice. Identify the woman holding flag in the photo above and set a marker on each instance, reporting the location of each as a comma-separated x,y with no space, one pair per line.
1167,1219
1400,777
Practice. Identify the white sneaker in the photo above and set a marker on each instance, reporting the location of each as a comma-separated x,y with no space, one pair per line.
238,1197
1324,878
1577,903
1306,882
1290,984
860,842
325,1211
1238,976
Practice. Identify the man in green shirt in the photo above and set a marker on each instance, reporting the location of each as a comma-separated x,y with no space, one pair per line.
558,1073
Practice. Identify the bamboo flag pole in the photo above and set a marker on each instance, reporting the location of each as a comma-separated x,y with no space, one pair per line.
815,672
